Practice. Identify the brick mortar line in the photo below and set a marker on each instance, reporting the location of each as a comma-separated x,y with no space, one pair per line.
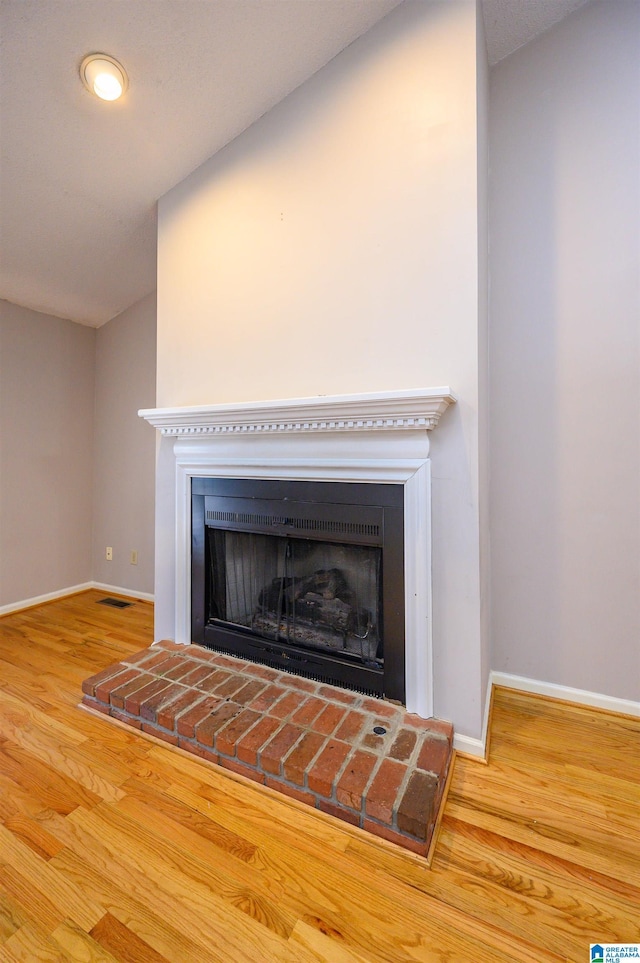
247,732
393,725
189,708
370,717
311,763
282,678
367,786
399,797
282,758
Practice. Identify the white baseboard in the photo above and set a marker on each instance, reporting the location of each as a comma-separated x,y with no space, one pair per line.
468,745
72,590
40,599
595,700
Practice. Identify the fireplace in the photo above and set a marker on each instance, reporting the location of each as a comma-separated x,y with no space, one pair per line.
302,576
364,441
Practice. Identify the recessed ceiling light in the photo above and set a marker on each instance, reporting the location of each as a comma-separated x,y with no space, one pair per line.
103,76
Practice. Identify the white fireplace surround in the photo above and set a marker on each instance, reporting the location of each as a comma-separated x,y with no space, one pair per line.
375,437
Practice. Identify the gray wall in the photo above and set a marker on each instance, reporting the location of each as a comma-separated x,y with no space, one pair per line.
125,445
564,354
46,453
77,465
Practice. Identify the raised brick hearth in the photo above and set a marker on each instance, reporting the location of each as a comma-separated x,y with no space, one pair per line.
313,742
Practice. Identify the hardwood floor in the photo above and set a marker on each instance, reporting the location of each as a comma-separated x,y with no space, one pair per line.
114,847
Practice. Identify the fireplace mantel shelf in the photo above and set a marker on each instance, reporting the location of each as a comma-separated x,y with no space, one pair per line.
419,408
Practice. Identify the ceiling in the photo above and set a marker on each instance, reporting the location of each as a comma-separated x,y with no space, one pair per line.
79,179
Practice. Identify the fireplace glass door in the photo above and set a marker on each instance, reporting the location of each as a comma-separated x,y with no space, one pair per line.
303,576
314,594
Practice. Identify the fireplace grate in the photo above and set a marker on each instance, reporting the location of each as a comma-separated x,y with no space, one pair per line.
316,525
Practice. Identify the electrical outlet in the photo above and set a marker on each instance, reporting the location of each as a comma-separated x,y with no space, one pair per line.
133,557
109,554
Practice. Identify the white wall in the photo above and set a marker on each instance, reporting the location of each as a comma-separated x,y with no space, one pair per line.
125,449
333,248
46,450
565,359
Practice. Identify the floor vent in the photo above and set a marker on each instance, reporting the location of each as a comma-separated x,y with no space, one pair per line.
115,603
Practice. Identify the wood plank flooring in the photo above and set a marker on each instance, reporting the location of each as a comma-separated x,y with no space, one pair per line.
116,848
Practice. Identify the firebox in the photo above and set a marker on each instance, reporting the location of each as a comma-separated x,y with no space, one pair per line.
304,576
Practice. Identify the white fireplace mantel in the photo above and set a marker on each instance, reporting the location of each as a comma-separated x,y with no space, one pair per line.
377,438
387,410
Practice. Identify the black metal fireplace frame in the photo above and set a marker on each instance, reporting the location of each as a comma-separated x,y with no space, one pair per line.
291,507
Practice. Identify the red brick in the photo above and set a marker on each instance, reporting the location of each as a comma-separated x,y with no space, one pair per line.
275,750
135,699
403,745
434,755
416,809
118,695
92,703
234,766
328,719
229,662
180,671
325,768
249,746
285,706
339,695
188,721
384,832
249,691
383,791
89,685
214,679
380,708
155,658
137,657
169,662
123,717
338,812
104,689
168,712
263,672
298,760
371,740
149,708
227,738
307,712
207,729
304,797
159,733
435,726
197,750
352,726
203,655
355,776
266,699
304,685
170,646
229,687
197,674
